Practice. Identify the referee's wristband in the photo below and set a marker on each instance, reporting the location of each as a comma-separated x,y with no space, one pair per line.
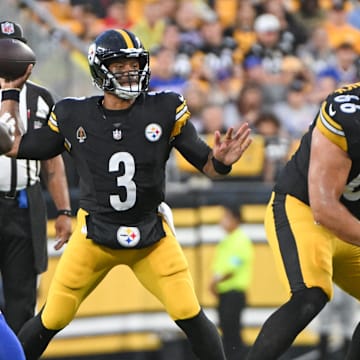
220,167
65,212
10,94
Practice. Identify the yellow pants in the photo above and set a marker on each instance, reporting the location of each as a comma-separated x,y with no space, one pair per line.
307,254
161,268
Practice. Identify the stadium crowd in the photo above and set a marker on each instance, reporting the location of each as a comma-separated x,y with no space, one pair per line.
270,63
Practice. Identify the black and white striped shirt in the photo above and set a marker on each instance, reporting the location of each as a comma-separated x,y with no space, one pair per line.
35,105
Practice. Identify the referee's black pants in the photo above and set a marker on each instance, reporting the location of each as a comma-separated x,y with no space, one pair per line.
230,307
17,263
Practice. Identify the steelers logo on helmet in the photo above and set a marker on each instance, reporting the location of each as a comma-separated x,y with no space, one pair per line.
91,53
110,47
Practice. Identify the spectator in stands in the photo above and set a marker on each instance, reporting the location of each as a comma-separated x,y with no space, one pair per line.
324,84
169,9
98,6
296,112
317,52
197,95
293,33
214,60
262,64
188,20
215,49
243,29
171,41
232,272
277,145
91,24
61,12
164,75
212,117
353,15
247,106
310,14
338,29
338,318
292,68
150,28
226,10
117,15
345,66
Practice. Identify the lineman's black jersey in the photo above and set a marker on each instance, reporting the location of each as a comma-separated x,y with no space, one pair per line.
339,121
121,156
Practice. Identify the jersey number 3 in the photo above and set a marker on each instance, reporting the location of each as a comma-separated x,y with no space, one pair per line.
125,181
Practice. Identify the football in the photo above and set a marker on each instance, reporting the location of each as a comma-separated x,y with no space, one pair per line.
15,57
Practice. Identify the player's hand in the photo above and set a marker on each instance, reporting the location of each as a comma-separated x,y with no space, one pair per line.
7,132
230,149
16,83
63,228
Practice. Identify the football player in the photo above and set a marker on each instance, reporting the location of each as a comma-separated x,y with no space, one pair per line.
121,142
312,223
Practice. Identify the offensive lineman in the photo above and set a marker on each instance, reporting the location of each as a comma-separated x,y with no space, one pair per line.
312,223
121,142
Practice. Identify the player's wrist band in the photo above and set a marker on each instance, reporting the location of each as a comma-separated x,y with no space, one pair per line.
65,212
220,167
10,94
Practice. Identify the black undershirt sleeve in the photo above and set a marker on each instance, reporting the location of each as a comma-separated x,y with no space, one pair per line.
192,147
41,144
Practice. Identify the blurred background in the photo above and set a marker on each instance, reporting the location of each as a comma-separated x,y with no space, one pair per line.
270,63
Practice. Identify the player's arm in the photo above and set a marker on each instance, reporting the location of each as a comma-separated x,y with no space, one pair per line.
40,144
10,111
328,173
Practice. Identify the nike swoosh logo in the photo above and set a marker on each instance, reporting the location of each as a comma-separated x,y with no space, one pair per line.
332,112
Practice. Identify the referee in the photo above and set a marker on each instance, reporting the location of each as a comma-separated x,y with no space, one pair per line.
23,218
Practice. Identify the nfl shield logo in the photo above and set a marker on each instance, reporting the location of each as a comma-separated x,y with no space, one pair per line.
7,28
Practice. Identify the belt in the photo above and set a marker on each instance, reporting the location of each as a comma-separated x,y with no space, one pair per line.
8,195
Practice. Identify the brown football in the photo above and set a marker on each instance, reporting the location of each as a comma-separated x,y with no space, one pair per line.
15,57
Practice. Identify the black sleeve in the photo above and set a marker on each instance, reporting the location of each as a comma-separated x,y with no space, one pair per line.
41,144
192,147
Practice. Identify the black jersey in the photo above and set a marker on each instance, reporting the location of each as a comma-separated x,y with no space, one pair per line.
121,155
339,120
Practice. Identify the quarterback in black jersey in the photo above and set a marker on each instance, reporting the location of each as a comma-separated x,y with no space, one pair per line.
120,143
312,223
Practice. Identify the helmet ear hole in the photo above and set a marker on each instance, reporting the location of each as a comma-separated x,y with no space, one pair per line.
115,44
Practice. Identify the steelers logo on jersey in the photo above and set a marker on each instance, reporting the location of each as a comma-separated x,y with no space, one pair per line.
153,132
128,236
